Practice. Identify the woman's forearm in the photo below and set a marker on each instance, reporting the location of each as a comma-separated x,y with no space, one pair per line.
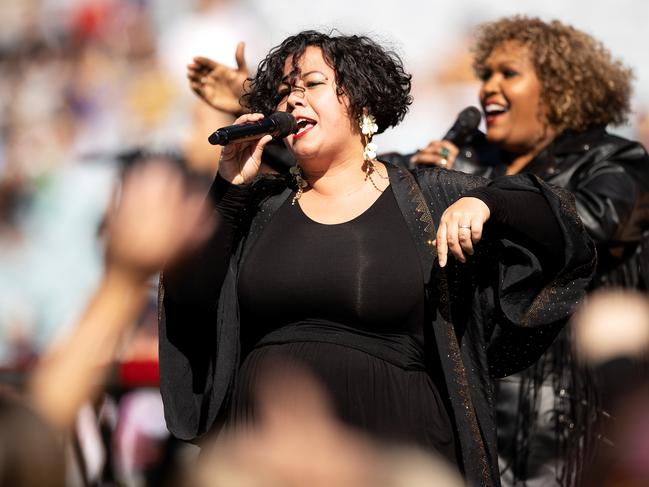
74,370
526,213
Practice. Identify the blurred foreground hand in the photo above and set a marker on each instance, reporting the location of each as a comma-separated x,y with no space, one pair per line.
297,442
155,219
612,324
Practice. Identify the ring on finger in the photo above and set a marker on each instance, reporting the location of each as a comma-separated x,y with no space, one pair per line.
443,162
464,227
444,152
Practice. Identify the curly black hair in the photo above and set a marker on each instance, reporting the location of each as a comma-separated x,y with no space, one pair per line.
370,76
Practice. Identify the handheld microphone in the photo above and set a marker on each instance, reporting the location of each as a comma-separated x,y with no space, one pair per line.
464,127
279,124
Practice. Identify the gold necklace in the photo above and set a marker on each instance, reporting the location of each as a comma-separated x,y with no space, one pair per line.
370,168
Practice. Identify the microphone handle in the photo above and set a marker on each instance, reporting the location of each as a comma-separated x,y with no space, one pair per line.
451,135
243,132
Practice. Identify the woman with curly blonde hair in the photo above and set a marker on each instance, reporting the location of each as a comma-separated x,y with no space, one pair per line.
548,92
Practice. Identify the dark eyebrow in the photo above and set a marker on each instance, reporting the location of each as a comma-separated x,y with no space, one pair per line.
314,71
510,63
286,79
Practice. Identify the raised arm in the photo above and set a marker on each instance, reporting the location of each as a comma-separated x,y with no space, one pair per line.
155,220
218,85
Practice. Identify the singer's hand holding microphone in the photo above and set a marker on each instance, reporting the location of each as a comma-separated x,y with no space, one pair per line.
443,152
244,143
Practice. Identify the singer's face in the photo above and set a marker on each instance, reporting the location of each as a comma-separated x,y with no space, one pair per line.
326,131
511,100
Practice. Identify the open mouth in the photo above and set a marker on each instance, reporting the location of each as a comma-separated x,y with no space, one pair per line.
304,125
493,110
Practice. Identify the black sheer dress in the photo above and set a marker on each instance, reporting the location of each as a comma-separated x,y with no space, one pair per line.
350,308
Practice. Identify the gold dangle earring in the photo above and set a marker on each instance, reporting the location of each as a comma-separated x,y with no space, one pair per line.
368,129
300,182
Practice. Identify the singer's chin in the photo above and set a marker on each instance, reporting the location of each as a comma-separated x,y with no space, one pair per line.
302,150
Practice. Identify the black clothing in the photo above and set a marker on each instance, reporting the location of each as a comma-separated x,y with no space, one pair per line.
609,177
546,413
364,273
350,309
355,285
476,156
200,355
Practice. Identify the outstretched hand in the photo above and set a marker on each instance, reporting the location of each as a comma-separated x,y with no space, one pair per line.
217,84
460,228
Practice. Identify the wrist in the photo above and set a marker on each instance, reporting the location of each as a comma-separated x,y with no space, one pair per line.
493,199
236,179
122,275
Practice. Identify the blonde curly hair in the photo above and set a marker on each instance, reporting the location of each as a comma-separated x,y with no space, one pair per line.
581,84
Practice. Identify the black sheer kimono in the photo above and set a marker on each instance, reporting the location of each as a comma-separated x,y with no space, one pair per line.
492,316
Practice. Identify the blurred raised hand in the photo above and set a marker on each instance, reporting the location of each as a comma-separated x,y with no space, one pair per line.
612,323
219,85
155,218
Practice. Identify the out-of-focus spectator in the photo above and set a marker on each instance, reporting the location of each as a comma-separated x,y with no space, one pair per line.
298,442
153,220
612,324
611,333
30,452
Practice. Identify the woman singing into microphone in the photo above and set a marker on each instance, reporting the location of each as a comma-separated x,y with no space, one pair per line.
342,268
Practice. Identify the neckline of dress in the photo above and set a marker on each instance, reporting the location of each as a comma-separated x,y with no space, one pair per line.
351,220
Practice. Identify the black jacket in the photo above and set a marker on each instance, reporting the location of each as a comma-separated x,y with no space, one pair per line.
609,177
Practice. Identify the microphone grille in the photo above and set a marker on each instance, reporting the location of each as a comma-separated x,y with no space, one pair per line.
470,118
285,123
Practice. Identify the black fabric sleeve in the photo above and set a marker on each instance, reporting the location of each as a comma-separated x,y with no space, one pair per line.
198,277
188,310
524,292
525,213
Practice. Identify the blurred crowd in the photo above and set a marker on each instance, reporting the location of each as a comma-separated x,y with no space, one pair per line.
83,91
85,94
90,89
